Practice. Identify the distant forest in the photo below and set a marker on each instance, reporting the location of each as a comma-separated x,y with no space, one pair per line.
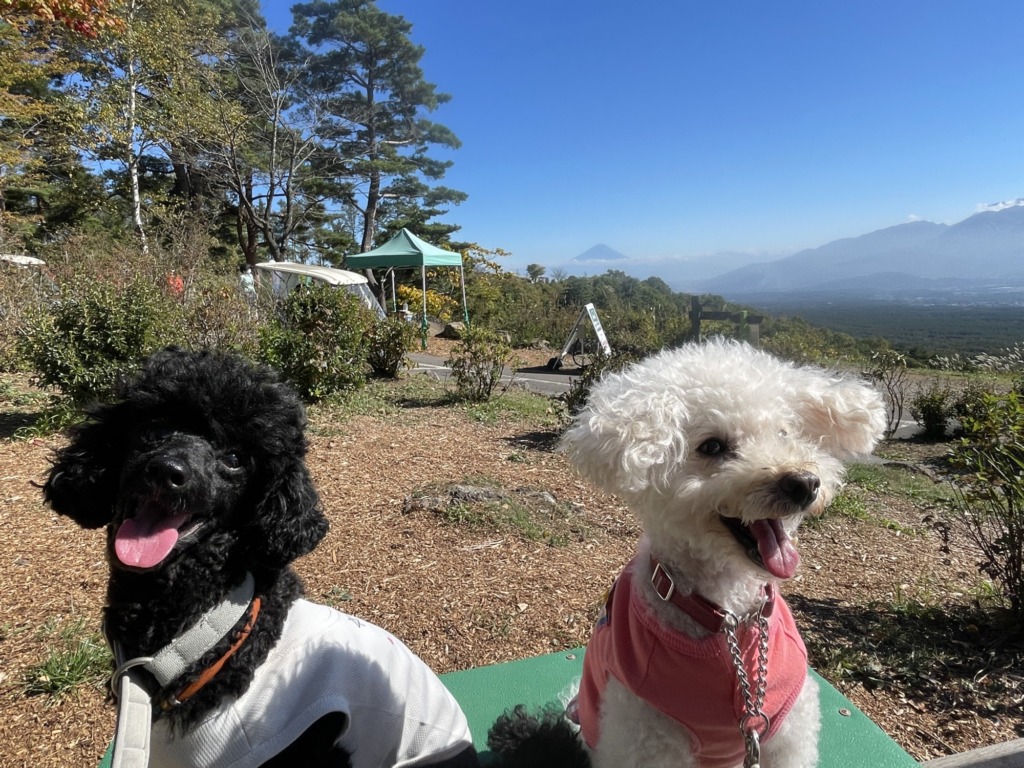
920,331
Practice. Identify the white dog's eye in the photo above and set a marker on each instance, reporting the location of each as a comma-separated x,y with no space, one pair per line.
783,433
713,447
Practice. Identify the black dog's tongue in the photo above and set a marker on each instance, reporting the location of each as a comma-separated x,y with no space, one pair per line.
144,540
776,549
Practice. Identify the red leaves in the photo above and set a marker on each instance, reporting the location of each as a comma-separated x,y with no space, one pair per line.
86,17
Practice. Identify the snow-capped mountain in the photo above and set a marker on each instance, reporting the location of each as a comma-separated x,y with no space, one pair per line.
986,248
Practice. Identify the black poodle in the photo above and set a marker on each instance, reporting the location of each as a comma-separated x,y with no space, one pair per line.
198,471
542,738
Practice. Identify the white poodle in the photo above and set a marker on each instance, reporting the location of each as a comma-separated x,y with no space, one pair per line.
721,449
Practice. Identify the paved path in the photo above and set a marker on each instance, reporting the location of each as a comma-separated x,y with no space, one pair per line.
539,380
553,383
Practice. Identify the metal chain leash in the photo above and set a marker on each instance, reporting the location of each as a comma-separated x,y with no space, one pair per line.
753,701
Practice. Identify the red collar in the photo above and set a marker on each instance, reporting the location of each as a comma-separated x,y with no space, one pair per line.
210,672
709,615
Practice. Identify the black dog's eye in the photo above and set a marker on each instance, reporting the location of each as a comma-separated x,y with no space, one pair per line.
155,433
713,447
231,461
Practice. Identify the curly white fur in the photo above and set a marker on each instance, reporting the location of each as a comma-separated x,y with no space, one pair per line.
694,435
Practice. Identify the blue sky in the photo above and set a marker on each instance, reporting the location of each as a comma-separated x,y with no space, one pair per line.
674,130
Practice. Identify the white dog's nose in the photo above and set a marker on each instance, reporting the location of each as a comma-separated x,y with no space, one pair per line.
800,487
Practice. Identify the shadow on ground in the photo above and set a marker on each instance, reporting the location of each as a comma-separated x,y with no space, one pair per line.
963,655
570,371
540,440
12,421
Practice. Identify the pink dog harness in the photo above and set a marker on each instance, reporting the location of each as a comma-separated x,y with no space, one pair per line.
690,680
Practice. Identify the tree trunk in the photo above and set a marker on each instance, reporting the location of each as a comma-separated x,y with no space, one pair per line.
370,218
133,168
245,227
188,184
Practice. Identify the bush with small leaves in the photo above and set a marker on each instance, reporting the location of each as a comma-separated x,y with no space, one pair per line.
23,293
217,315
969,403
97,333
477,364
988,499
575,398
889,370
931,407
319,341
389,340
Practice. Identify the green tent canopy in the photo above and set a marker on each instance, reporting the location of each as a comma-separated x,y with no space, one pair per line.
407,250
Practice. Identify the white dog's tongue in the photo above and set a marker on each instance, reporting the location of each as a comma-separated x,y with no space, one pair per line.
144,541
777,552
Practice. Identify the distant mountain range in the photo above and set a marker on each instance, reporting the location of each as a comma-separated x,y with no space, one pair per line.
983,252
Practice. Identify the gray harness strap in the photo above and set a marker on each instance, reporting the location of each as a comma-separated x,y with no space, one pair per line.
134,721
134,707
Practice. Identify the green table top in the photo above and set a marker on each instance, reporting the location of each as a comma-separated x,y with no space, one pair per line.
848,738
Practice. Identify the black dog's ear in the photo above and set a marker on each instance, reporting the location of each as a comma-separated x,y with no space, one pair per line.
83,480
288,522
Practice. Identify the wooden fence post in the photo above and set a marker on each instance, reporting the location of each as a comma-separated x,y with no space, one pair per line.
752,323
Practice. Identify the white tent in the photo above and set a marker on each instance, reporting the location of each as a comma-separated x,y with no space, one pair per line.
287,276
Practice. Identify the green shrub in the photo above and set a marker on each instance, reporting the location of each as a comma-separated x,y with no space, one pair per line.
575,398
528,312
477,363
96,334
969,403
389,340
931,407
319,342
216,315
889,370
988,502
24,292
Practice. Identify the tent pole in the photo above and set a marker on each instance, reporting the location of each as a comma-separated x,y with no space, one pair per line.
465,309
394,298
423,323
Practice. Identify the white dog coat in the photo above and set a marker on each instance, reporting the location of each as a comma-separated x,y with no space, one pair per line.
399,714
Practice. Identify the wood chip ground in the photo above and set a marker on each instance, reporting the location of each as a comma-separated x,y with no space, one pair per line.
464,594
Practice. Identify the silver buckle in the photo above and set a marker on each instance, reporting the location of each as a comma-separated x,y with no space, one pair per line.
672,585
121,671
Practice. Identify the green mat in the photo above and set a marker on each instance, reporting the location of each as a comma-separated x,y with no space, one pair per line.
848,738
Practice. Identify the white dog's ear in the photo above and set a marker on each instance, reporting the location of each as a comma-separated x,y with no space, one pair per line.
626,440
846,416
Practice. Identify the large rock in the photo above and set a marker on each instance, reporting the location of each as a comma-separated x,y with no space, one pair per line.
454,330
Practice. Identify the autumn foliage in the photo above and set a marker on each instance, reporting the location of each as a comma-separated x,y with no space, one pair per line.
86,17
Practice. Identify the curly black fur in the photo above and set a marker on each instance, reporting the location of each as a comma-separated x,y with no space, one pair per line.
210,451
214,447
192,409
520,739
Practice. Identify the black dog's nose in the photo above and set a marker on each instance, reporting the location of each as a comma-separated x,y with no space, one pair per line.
168,472
800,487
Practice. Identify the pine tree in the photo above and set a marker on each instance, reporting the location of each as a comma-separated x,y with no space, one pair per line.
364,65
